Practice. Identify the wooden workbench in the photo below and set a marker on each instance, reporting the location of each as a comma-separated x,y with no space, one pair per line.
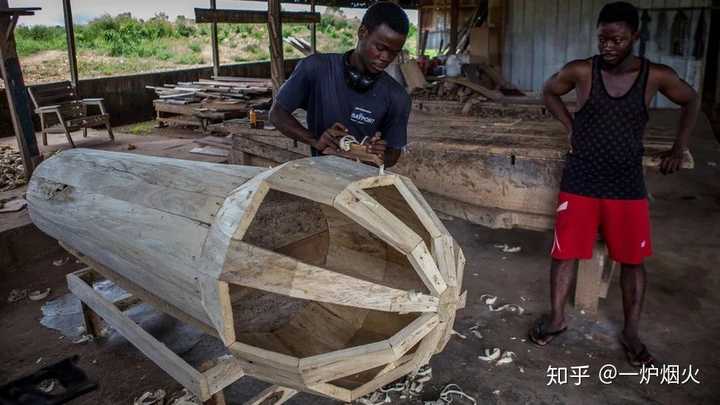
501,173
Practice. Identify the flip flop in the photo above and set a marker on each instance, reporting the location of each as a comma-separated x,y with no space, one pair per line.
540,336
637,359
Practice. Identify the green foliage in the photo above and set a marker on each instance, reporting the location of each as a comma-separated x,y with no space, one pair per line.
159,43
30,40
188,59
195,47
143,128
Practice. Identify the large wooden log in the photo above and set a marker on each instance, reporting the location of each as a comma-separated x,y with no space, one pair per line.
318,274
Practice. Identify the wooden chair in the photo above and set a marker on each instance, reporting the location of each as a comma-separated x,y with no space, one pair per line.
61,110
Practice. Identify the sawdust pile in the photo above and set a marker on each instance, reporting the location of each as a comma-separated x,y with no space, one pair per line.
12,172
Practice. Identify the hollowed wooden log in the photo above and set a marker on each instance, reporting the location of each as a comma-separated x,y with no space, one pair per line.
318,274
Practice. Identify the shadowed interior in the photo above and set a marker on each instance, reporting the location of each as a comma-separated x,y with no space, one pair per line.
321,236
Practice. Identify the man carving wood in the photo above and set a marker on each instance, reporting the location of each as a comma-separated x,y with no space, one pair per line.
350,94
603,186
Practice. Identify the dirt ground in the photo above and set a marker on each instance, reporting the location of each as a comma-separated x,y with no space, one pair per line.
681,321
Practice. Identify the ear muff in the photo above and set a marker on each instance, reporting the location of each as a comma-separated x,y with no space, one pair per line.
357,80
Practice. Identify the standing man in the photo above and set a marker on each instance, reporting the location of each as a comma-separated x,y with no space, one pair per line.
350,94
602,186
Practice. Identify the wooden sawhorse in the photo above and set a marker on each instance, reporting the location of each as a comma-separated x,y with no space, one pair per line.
207,383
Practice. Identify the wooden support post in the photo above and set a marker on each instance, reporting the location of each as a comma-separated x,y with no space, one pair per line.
496,26
17,96
313,30
207,385
454,17
593,279
72,52
214,43
277,62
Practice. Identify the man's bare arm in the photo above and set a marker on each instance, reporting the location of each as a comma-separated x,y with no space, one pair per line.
286,123
289,126
679,92
558,85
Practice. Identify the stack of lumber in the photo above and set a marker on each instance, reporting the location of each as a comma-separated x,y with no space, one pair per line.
463,96
210,101
220,87
480,91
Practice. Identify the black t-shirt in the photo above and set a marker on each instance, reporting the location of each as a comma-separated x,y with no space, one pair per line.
318,86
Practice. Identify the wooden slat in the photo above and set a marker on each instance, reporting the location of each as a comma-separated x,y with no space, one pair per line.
143,294
264,150
410,335
225,371
165,358
424,265
265,270
422,209
371,215
342,363
90,121
207,15
403,369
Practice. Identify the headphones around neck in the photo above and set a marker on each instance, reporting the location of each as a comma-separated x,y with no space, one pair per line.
357,80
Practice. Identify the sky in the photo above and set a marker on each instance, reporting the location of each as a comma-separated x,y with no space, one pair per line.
85,10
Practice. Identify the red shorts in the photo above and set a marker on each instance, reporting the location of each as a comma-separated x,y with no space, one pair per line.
624,224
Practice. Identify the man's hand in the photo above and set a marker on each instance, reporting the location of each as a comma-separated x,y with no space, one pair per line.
330,139
377,146
671,160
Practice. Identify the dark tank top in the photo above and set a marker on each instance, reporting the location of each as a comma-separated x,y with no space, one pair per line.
607,142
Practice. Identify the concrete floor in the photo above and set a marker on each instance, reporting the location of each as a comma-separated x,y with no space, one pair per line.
681,321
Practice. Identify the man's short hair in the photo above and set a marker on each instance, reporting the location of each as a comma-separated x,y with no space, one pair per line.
386,13
620,11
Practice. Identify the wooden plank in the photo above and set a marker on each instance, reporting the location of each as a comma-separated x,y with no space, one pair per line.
208,15
366,211
224,371
319,179
422,209
590,279
401,370
17,96
272,359
482,90
273,395
265,270
165,358
341,363
264,150
414,78
277,60
427,269
460,263
444,255
410,335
